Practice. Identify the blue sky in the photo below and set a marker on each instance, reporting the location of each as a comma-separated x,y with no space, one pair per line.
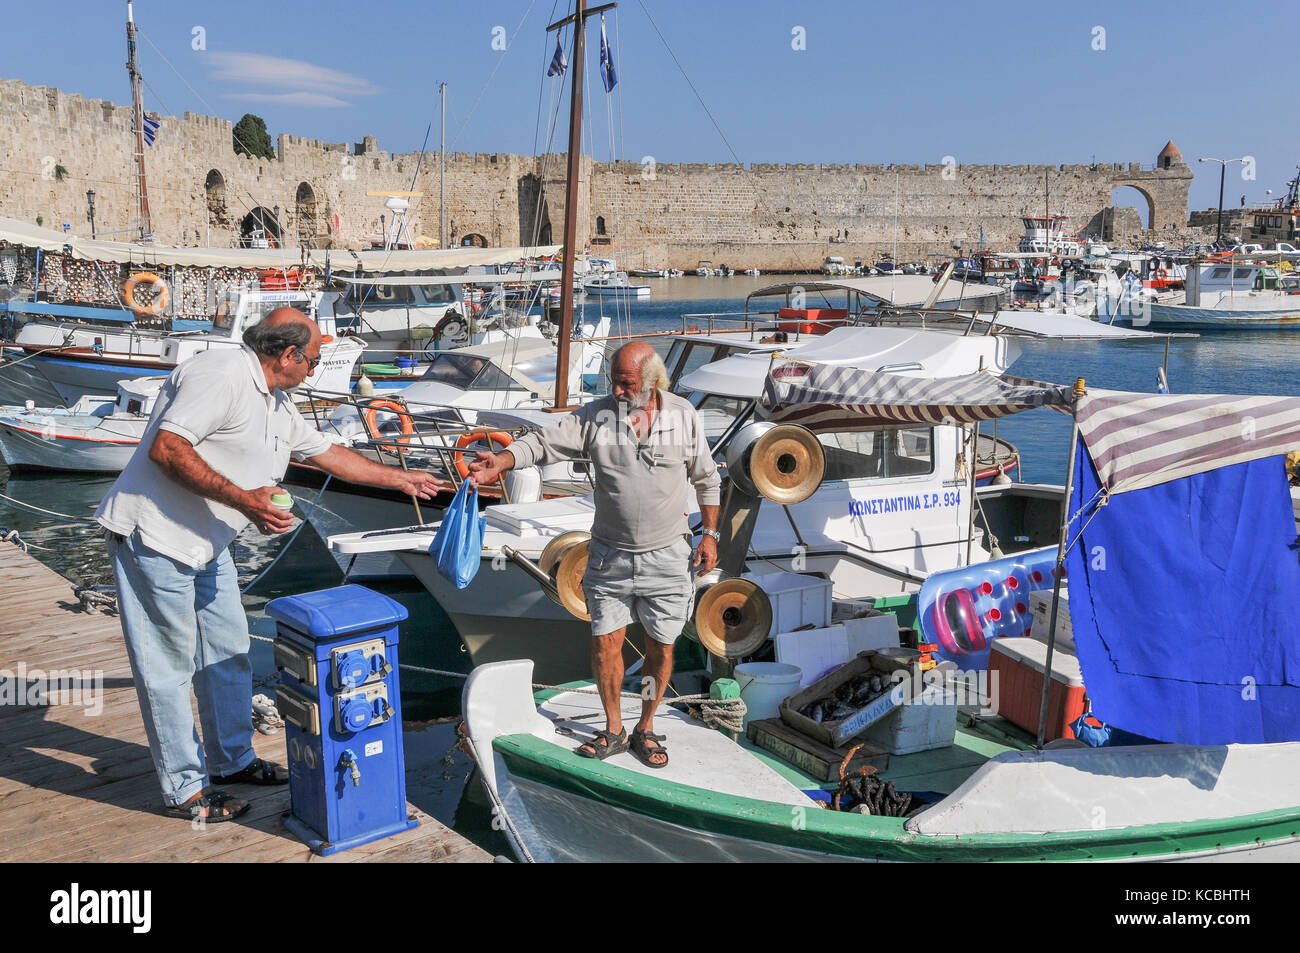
911,82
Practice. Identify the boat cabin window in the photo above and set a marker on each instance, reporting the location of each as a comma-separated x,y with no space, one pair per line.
457,370
438,294
379,295
1242,274
1218,274
686,356
718,412
878,454
493,378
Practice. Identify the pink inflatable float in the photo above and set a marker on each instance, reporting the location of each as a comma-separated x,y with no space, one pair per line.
963,610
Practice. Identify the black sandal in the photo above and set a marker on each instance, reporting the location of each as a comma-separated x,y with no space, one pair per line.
214,802
256,771
644,753
614,744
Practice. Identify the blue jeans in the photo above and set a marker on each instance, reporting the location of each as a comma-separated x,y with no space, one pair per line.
186,625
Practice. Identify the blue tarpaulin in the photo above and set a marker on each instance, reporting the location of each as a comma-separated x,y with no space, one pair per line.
1185,604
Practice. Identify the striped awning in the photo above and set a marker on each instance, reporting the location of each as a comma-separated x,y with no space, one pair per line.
1142,440
839,398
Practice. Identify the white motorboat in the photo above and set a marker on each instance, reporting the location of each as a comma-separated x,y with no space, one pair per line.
56,363
614,284
94,435
1232,294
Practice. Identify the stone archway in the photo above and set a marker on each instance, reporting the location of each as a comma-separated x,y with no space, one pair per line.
1165,191
259,220
475,240
214,188
1120,193
305,215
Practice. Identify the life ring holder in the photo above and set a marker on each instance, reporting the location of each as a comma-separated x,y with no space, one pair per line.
470,436
162,295
371,416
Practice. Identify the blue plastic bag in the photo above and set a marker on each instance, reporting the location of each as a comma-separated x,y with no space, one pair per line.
458,547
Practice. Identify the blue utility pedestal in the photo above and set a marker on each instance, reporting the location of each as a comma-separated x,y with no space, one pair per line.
339,695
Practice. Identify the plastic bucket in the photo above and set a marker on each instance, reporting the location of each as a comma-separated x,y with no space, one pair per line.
764,685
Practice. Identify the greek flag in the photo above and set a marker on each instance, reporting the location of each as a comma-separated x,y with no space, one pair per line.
150,128
607,73
558,62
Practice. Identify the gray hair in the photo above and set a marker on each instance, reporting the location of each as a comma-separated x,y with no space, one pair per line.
270,339
653,371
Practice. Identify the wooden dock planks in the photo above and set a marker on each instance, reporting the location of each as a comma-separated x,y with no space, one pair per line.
76,780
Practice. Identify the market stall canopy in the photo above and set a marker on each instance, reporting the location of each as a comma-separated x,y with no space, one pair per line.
824,398
377,260
897,291
1142,440
509,278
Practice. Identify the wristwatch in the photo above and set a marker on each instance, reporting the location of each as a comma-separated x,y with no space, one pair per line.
717,537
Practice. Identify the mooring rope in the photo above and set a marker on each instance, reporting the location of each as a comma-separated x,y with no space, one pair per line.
44,512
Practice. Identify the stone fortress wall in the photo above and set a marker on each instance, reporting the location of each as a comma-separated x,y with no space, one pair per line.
56,146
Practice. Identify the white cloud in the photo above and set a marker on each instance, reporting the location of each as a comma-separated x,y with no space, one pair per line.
308,100
285,81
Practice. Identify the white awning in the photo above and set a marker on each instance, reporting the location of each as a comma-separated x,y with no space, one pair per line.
899,291
376,260
521,278
1063,326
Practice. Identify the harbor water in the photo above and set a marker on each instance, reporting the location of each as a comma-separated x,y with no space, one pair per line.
50,512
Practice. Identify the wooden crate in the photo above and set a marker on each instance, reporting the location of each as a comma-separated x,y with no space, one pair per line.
837,733
809,755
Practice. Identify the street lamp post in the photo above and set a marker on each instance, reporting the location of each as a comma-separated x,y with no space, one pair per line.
90,201
1223,168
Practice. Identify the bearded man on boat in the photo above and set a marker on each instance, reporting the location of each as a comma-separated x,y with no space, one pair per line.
645,443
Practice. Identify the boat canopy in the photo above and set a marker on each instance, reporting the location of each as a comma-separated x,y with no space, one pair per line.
1142,440
907,351
898,291
825,398
17,232
1061,326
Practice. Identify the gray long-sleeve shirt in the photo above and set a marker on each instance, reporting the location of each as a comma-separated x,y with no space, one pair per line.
640,484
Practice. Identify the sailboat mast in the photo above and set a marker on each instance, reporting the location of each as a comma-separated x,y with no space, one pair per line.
137,111
579,21
570,210
442,170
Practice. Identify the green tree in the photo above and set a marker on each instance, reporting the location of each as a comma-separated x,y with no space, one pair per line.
250,138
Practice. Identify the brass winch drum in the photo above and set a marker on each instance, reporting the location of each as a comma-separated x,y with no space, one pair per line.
557,547
783,463
564,560
733,618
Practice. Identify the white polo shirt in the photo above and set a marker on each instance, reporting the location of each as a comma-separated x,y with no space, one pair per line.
220,403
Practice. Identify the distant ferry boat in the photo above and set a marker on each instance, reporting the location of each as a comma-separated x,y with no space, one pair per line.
1046,235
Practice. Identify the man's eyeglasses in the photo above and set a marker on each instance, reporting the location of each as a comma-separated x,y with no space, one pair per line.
312,362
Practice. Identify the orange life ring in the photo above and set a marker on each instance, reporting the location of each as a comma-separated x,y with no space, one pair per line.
162,295
1161,274
465,439
371,416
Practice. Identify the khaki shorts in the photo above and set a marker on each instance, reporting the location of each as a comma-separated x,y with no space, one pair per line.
654,588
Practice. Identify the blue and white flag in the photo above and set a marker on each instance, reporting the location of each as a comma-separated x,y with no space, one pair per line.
558,62
607,73
150,128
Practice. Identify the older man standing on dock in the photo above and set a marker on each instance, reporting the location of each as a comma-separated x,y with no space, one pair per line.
645,443
219,439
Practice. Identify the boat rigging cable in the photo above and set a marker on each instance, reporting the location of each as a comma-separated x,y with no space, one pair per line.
252,210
